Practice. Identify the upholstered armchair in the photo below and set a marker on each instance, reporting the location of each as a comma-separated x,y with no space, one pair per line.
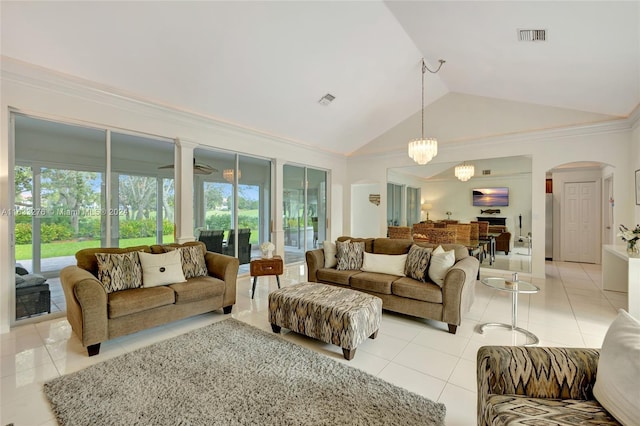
503,242
538,385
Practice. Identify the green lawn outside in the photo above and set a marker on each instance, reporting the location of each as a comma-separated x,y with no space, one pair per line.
69,248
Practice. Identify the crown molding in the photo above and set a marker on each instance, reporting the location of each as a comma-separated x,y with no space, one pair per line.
476,144
44,79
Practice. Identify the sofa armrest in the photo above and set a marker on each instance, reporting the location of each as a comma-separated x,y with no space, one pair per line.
225,268
315,261
458,290
537,372
86,301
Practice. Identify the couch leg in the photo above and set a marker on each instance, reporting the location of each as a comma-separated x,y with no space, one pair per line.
348,353
275,328
452,328
227,309
93,349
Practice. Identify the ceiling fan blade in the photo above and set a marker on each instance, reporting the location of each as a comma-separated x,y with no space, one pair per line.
198,168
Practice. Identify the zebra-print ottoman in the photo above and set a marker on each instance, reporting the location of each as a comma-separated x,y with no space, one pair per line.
331,314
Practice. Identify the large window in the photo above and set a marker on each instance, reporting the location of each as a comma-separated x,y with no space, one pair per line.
229,190
413,205
394,204
304,210
60,182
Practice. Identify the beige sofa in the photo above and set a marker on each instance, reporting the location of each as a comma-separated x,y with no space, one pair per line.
403,294
96,316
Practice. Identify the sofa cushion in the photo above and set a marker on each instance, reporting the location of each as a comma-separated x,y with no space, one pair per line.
198,288
350,255
417,263
331,275
384,263
86,258
373,281
391,246
119,271
29,280
161,269
440,263
330,254
617,385
135,300
412,289
521,410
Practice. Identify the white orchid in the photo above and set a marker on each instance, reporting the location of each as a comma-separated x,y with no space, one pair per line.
267,246
628,234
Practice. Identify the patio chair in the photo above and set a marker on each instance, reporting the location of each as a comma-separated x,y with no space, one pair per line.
212,239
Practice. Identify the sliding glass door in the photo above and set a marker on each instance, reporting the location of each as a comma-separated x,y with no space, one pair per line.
232,191
304,210
60,181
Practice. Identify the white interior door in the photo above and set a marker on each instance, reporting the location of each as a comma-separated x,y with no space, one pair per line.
581,222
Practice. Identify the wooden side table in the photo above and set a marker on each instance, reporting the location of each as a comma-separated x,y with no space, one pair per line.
261,267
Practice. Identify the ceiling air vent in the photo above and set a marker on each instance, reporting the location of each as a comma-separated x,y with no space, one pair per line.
326,99
532,35
486,172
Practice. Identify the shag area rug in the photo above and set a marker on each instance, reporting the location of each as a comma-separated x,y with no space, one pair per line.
230,373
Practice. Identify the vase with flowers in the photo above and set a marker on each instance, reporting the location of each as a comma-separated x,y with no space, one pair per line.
267,249
631,237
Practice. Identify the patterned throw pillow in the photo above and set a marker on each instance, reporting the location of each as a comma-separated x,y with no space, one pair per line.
350,255
193,263
119,271
417,263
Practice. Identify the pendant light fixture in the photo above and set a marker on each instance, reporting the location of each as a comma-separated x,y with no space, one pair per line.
464,171
423,150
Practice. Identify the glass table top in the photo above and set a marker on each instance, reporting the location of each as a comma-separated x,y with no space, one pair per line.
517,286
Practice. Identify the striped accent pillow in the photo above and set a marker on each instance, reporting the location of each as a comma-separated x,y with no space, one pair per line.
417,263
119,271
350,255
193,263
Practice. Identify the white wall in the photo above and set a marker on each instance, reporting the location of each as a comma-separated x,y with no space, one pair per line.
43,94
366,221
635,157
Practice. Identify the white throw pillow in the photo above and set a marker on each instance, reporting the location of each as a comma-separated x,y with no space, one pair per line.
330,252
161,269
384,263
440,263
617,386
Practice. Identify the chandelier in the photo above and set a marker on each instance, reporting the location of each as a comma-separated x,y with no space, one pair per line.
423,150
228,175
464,171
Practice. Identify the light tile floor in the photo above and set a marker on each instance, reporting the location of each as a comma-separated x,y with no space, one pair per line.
419,355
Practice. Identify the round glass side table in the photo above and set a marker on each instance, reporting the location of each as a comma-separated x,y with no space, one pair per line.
515,287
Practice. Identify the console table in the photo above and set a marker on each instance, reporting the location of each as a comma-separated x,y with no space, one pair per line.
620,272
493,220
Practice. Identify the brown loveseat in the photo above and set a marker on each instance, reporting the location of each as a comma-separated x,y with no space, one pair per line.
403,294
96,316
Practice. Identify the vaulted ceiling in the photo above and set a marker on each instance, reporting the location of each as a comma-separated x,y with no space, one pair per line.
265,65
